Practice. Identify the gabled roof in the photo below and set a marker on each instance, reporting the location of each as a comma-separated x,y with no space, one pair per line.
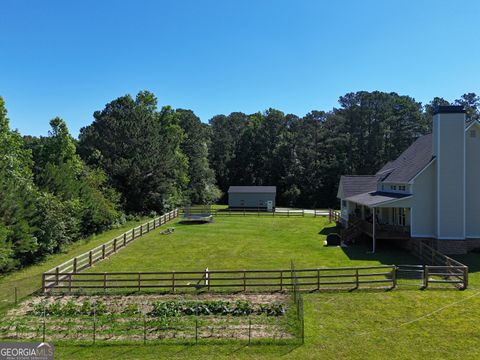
376,198
253,189
410,162
358,184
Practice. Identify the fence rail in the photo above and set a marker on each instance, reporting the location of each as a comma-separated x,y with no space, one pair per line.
333,215
87,259
441,269
253,212
232,280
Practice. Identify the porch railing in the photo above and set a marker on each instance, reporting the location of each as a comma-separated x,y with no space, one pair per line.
383,230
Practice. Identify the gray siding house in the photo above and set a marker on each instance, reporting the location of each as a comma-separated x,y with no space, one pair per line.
262,197
430,193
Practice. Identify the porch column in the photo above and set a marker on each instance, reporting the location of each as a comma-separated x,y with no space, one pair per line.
374,220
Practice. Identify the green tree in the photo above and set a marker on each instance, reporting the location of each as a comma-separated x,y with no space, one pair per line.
18,197
139,149
201,186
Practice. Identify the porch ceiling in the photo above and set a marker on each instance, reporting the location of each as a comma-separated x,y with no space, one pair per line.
376,198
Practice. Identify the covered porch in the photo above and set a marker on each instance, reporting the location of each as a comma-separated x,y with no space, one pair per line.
378,215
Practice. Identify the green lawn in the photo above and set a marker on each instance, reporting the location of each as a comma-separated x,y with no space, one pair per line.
240,242
405,323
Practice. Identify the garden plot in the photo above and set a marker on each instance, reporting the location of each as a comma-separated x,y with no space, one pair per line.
150,318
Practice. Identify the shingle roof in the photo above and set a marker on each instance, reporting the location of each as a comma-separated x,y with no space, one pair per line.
410,162
358,184
376,198
253,189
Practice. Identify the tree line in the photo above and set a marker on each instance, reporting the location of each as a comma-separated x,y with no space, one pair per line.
139,158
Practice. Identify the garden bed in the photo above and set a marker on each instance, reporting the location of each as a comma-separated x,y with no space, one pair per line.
151,318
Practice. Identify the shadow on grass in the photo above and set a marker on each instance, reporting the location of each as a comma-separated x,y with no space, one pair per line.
472,260
329,230
386,253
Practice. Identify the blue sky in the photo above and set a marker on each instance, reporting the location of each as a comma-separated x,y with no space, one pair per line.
69,58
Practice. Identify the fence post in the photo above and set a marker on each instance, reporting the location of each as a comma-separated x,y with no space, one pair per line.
141,230
173,281
244,280
75,265
465,277
90,258
303,212
148,227
43,283
394,277
196,331
303,322
139,281
115,245
318,279
144,329
69,283
124,239
133,234
103,251
56,275
94,321
44,324
16,297
281,280
425,276
357,280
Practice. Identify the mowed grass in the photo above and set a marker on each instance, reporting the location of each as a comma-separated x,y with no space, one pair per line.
406,323
240,242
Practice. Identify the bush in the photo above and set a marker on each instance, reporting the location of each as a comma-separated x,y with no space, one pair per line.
131,310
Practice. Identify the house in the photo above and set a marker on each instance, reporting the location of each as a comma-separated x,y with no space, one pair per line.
254,197
429,193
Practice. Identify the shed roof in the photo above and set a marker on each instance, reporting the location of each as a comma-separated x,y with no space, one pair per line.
376,198
253,189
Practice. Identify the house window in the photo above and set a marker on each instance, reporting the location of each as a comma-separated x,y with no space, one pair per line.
401,187
393,187
473,133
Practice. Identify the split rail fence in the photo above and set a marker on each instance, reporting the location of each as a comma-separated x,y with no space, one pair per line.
229,280
441,269
87,259
198,210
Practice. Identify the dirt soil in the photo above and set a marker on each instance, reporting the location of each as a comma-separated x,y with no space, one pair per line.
116,303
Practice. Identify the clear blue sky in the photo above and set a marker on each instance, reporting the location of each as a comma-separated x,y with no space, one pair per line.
69,58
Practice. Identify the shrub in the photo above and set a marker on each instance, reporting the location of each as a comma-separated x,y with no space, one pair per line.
242,308
69,309
100,308
86,308
53,309
131,310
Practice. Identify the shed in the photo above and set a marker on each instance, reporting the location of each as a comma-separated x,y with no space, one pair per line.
253,197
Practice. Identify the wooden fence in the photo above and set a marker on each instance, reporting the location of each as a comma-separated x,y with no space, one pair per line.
230,280
87,259
441,269
254,212
333,215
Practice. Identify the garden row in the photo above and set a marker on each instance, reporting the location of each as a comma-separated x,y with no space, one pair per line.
170,308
